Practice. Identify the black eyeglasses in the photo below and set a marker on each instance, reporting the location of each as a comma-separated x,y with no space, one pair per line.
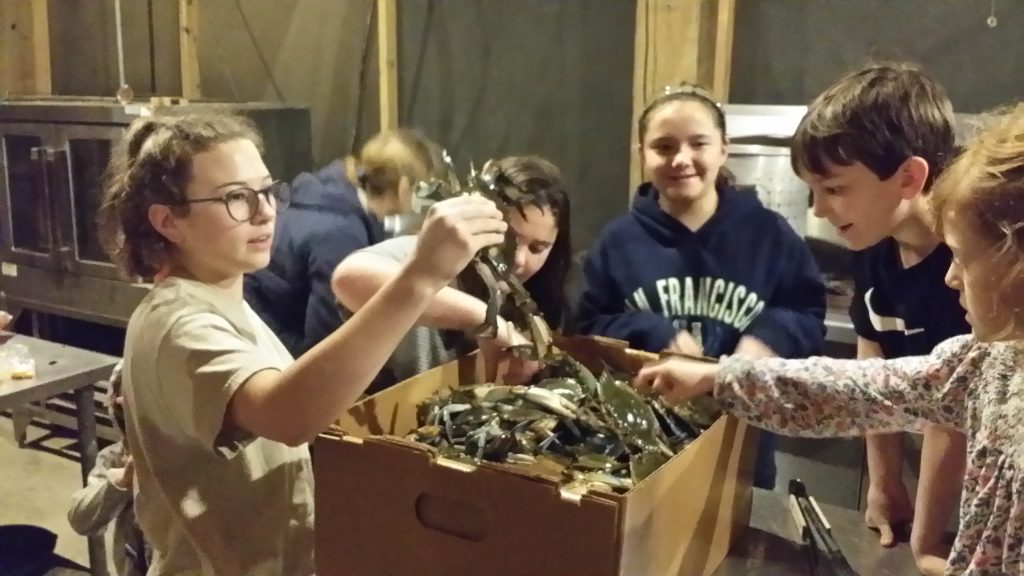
243,204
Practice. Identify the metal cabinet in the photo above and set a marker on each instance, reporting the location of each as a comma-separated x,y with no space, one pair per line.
49,198
53,154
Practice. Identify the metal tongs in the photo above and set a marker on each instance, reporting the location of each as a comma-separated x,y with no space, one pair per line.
490,277
825,558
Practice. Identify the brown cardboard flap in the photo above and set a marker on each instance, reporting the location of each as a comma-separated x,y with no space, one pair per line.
695,499
393,411
391,506
596,351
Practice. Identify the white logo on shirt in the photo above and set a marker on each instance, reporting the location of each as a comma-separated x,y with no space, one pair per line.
887,323
715,298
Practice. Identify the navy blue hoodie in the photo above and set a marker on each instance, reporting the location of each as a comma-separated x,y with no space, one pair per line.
745,271
324,223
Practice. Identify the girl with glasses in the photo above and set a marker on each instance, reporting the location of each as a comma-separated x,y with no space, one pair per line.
217,413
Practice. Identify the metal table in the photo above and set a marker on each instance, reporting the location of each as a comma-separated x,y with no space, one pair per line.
771,546
61,369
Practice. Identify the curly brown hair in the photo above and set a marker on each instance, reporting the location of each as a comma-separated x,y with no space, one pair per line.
983,191
152,164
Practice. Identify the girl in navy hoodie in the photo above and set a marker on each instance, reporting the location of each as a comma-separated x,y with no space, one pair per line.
699,266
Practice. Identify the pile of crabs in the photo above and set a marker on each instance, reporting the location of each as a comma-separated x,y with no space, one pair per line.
588,432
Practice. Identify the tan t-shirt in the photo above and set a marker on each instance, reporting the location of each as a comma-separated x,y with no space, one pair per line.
210,497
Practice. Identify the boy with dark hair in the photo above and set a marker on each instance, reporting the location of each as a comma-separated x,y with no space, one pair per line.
870,147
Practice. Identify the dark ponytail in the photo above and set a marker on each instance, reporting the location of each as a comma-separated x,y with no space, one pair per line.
137,136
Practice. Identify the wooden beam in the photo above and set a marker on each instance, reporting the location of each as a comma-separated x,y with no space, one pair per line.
640,89
722,75
25,48
387,59
678,41
188,46
43,83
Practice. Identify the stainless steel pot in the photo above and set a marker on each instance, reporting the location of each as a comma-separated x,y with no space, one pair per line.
767,169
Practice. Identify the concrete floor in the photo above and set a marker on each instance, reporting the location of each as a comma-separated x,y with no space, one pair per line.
36,484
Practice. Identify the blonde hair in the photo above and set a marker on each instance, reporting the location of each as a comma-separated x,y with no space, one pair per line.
153,165
984,189
392,155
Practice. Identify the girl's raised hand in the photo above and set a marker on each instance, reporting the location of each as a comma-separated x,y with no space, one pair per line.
452,233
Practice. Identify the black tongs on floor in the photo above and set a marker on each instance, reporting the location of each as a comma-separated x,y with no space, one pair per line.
824,555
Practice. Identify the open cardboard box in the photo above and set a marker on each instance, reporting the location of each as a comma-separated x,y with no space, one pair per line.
387,506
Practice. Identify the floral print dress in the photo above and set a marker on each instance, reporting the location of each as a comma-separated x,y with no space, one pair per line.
977,388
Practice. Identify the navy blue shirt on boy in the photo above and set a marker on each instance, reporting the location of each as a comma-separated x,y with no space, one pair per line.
745,271
906,311
324,223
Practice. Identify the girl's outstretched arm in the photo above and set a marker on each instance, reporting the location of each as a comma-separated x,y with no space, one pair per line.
827,397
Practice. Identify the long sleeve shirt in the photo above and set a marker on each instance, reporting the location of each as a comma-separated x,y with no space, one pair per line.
100,503
975,387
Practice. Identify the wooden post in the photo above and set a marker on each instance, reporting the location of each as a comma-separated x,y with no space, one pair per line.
188,46
387,58
678,41
25,48
41,46
725,24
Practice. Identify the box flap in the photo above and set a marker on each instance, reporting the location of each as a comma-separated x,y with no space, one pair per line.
697,498
596,351
393,411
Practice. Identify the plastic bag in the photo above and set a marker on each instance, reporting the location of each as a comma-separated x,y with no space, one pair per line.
16,363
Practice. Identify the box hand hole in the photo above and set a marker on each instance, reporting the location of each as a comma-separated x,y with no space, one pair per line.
455,517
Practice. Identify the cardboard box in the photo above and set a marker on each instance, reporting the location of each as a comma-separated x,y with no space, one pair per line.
386,506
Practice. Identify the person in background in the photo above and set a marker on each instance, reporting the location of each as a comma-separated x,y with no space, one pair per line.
106,500
333,213
870,147
699,266
218,414
973,383
541,221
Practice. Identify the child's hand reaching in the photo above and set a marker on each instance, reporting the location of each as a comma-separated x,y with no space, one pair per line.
677,379
122,478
